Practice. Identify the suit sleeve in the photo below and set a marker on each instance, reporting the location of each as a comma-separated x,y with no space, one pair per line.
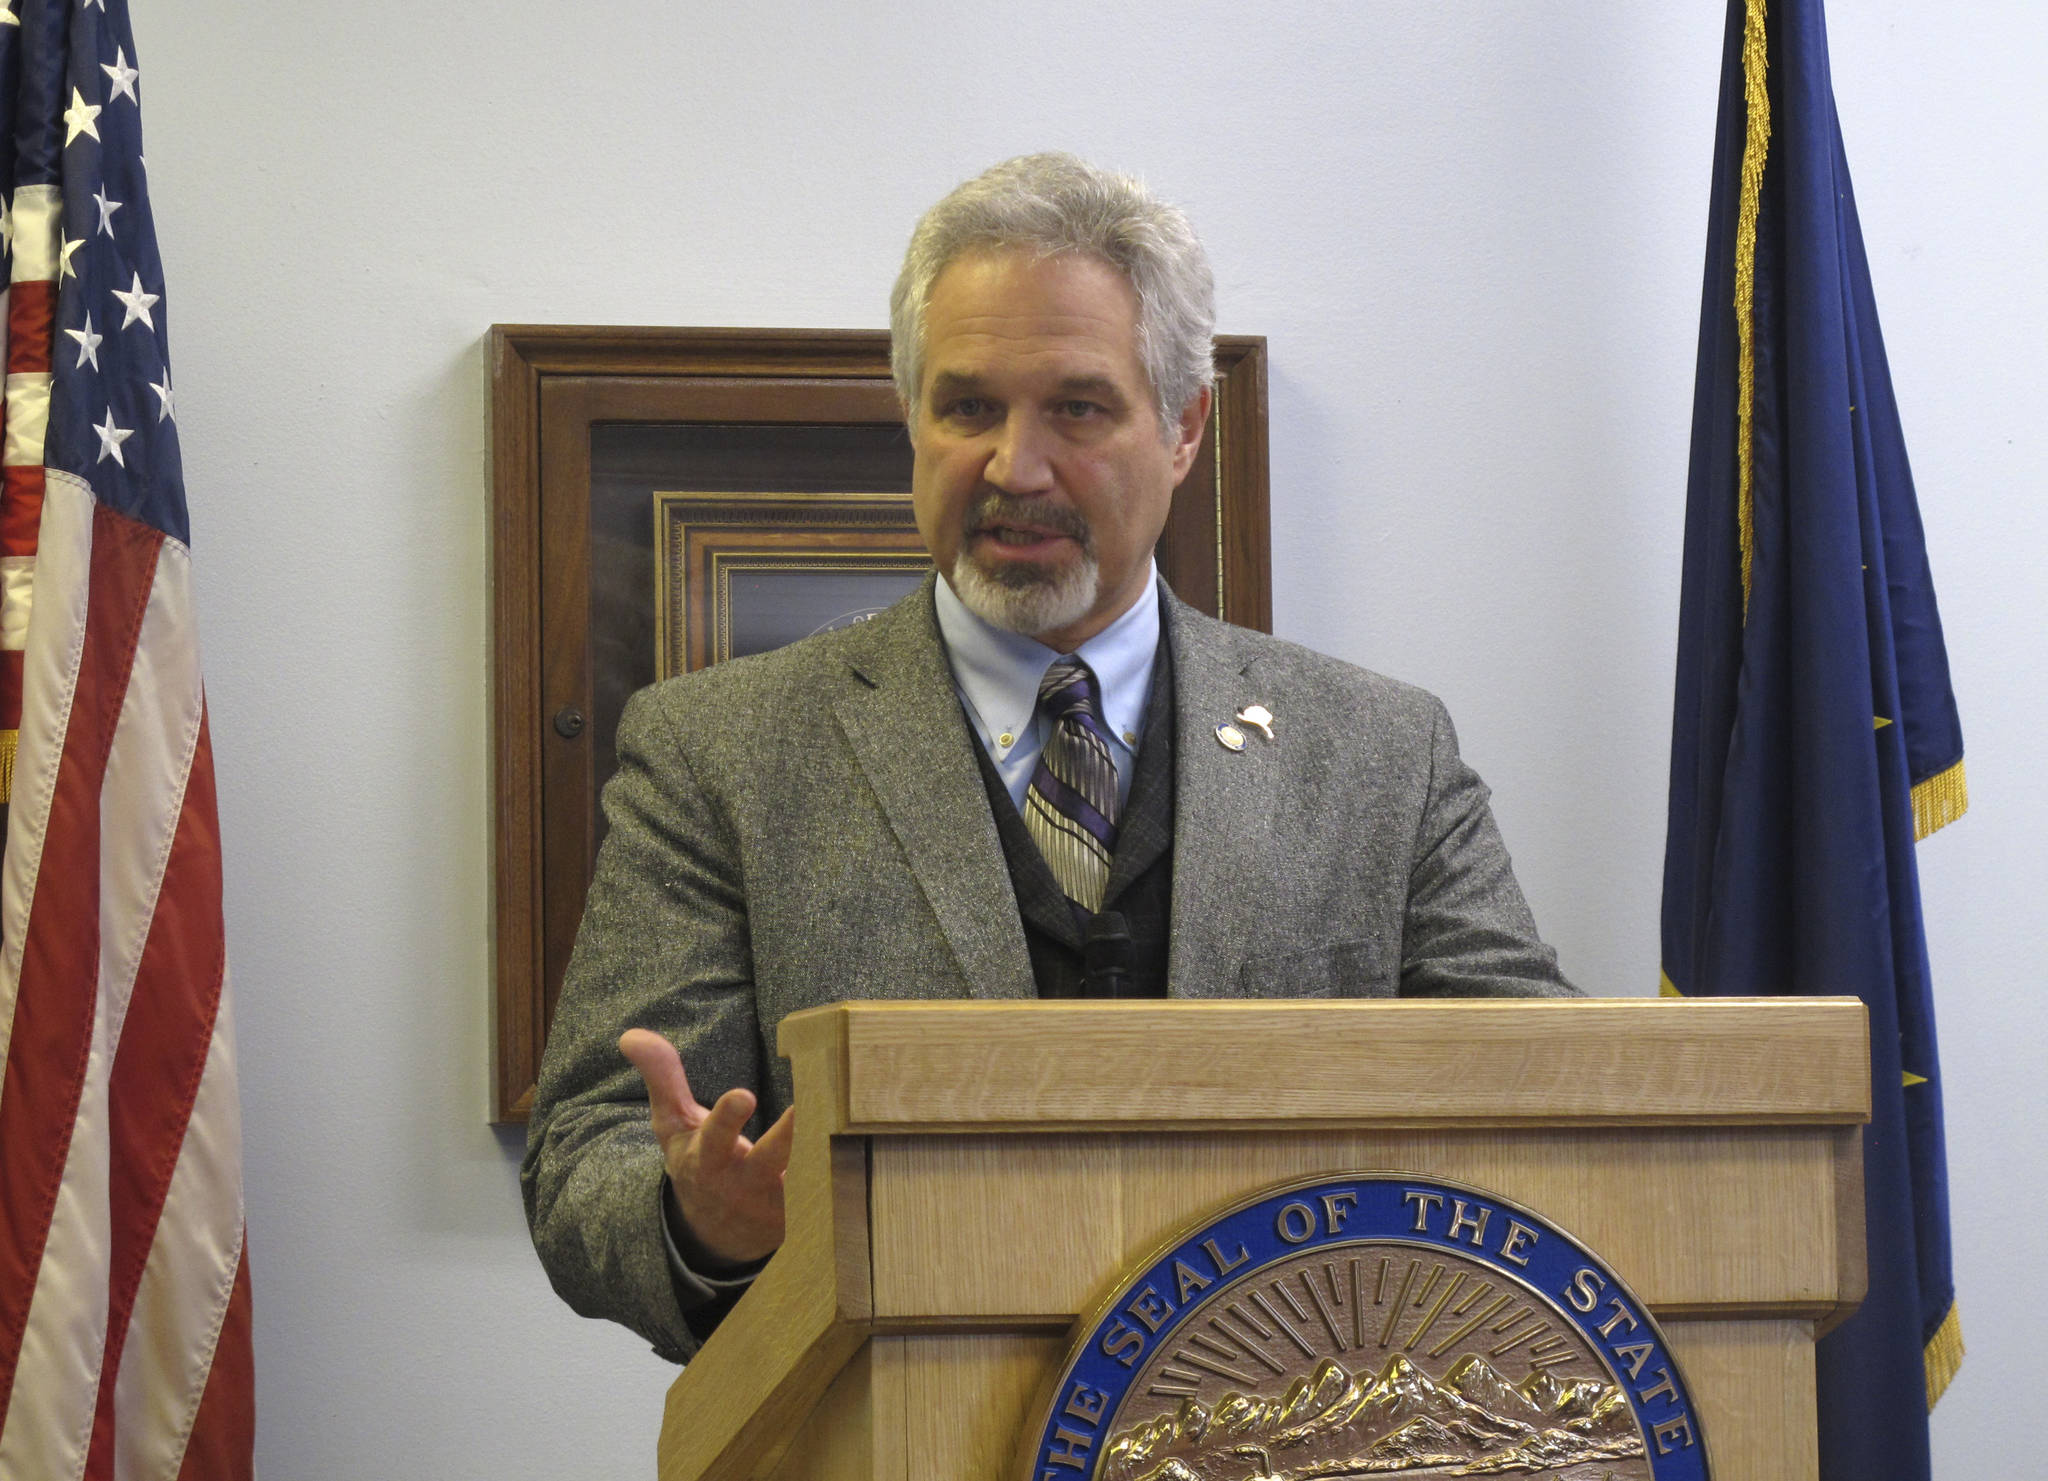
1468,932
663,945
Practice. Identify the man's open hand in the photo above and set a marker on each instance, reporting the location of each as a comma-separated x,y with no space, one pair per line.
728,1189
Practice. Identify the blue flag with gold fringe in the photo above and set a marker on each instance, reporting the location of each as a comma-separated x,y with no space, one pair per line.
1815,737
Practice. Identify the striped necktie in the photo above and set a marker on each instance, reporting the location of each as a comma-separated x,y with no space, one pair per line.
1071,807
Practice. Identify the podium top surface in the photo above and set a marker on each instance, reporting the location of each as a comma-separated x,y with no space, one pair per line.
901,1067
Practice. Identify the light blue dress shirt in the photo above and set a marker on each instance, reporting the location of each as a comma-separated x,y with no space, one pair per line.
996,674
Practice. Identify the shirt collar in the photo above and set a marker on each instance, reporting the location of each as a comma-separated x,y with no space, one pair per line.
998,671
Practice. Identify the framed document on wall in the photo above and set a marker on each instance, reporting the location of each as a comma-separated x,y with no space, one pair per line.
664,499
743,573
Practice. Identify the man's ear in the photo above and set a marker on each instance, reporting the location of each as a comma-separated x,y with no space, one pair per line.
1194,418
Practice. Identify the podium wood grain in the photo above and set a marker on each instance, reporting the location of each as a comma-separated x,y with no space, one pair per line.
967,1179
1015,1225
1753,1384
1041,1066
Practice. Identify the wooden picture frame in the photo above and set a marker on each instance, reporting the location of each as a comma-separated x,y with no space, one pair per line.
655,493
731,567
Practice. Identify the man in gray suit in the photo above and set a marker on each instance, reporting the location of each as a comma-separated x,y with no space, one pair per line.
955,799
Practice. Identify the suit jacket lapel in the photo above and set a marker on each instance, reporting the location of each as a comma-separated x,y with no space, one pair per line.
1223,805
902,720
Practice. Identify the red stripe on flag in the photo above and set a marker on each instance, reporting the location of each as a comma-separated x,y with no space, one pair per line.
223,1443
162,1054
58,990
31,324
21,509
10,689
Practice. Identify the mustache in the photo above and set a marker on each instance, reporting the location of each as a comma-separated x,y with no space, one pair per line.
993,507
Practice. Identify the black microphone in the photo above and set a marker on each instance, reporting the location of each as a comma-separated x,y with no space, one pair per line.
1107,956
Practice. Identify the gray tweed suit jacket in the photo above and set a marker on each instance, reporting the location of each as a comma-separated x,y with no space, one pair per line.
810,825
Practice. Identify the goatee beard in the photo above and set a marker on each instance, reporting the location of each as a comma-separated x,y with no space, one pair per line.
1018,596
1037,601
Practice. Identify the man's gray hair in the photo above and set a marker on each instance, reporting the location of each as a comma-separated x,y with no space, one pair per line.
1054,203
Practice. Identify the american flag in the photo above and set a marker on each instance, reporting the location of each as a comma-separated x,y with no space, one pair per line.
124,1286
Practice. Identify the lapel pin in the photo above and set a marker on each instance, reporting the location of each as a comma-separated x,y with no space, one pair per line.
1259,718
1231,737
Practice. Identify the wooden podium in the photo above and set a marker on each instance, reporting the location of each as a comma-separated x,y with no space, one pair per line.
969,1178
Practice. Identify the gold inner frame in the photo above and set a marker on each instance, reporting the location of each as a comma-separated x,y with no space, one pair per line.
703,538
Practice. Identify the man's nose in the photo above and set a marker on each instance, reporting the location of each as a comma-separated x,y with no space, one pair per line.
1021,462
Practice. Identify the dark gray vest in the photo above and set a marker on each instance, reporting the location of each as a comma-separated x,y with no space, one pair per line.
1140,874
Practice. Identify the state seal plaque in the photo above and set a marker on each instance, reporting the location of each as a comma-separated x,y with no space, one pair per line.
1377,1325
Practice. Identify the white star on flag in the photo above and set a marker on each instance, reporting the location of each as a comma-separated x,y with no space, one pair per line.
111,438
107,210
137,303
165,410
64,254
123,77
78,118
88,343
9,18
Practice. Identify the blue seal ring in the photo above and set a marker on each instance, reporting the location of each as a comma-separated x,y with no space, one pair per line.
1162,1323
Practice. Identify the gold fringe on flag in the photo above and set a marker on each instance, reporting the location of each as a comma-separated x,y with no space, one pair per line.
1755,144
1939,801
1944,1355
1666,988
10,740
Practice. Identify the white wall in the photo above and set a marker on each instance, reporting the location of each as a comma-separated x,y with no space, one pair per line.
1473,234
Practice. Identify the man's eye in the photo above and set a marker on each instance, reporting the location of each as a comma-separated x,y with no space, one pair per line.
966,408
1079,410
